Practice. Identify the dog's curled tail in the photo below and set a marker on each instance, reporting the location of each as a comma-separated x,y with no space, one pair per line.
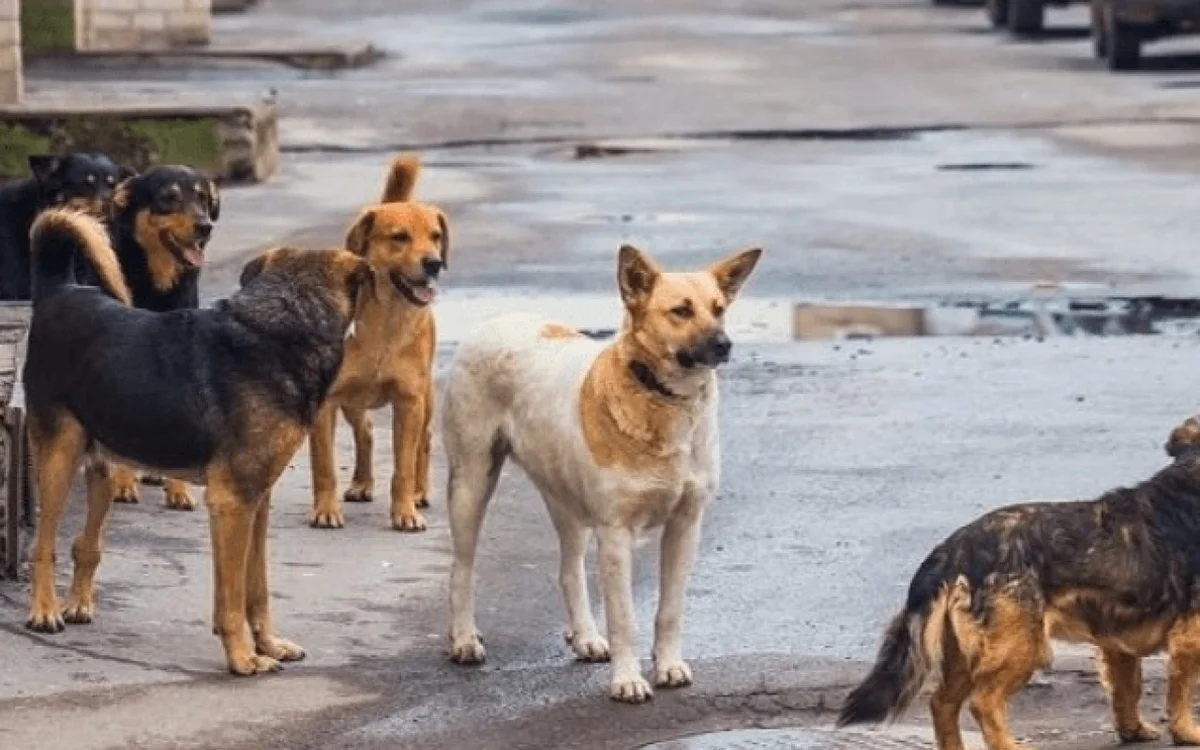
911,653
57,238
401,179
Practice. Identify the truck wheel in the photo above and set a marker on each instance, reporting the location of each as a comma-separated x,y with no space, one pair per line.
1123,43
1099,31
997,12
1026,16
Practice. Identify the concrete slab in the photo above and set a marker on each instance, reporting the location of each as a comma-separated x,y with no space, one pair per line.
297,53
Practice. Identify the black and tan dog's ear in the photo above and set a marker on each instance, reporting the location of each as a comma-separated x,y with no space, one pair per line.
1184,438
43,165
358,239
636,275
125,172
214,200
121,197
731,273
256,266
444,228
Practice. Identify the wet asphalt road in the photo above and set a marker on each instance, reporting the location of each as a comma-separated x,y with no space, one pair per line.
843,462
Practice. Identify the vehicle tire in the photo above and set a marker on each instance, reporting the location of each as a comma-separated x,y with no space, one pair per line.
1026,17
1099,31
1123,47
997,12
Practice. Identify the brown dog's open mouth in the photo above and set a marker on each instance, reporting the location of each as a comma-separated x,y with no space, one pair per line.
418,293
190,254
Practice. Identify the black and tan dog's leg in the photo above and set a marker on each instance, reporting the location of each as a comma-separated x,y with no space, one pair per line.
1011,648
124,484
56,457
1183,651
232,521
426,445
177,496
362,487
327,509
945,705
89,545
1122,677
258,594
408,421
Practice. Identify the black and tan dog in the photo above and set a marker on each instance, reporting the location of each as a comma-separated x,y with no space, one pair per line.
1121,572
220,396
160,222
84,180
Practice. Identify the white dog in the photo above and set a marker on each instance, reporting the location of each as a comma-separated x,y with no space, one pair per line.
617,438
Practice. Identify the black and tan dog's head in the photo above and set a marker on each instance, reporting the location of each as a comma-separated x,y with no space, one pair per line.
1184,441
169,211
678,319
406,242
336,275
82,180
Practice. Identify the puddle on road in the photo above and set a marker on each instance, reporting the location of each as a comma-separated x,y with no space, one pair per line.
752,319
1041,314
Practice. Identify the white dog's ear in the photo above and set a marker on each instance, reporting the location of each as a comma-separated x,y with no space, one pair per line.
636,275
733,271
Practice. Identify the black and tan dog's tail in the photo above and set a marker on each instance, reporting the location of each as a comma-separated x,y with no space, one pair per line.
59,237
911,651
401,179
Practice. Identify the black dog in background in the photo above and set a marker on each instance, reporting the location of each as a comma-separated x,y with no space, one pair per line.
84,180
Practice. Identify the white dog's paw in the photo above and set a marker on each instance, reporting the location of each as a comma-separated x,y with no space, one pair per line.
590,648
468,650
631,688
672,674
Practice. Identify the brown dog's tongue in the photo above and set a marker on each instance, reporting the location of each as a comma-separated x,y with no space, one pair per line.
425,293
194,255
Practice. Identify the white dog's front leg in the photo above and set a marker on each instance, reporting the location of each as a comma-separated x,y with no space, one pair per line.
680,538
616,563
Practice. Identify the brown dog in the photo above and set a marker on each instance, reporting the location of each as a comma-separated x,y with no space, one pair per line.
389,361
1121,572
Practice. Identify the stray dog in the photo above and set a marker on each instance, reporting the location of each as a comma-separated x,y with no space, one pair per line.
390,359
1121,572
617,438
160,222
221,396
84,180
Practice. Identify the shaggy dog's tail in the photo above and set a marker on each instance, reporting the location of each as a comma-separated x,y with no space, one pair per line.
59,236
912,647
401,179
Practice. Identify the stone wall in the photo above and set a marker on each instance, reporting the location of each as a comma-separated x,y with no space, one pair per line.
10,52
118,25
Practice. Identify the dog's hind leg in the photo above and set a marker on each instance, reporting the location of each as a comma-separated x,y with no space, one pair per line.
1183,650
258,597
474,471
124,484
327,511
945,705
1121,674
176,495
362,487
1011,648
423,448
573,538
56,456
89,546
